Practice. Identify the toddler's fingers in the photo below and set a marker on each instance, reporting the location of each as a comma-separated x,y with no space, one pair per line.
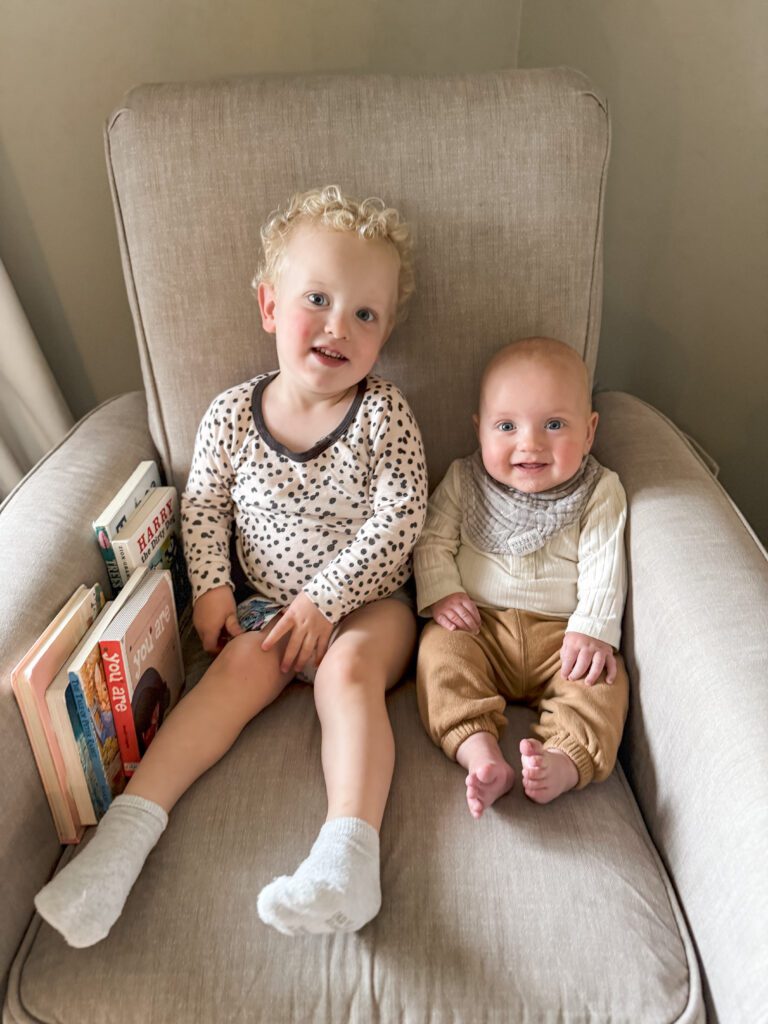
292,652
282,626
232,625
306,651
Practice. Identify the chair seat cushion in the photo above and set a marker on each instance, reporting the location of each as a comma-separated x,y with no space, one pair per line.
554,913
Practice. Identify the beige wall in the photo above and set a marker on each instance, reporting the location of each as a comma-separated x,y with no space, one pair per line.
64,66
685,322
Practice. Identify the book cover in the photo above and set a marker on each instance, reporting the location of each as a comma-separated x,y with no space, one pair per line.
141,654
152,538
111,521
87,691
30,679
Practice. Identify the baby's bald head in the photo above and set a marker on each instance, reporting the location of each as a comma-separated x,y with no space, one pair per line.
549,353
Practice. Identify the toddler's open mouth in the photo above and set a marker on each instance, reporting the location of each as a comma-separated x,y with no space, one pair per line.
329,356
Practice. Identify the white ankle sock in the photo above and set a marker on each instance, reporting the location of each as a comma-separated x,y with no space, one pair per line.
337,888
87,896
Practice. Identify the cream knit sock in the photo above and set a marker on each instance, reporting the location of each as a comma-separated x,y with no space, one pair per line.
87,896
337,888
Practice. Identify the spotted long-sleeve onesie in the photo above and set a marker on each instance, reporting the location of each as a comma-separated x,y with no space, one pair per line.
338,521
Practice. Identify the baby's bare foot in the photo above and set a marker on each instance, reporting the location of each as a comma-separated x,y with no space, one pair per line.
546,773
486,783
488,774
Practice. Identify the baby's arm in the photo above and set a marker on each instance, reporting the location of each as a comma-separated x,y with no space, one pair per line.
594,629
440,590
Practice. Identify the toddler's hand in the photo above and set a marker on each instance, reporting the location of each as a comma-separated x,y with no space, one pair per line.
456,611
310,632
214,613
584,657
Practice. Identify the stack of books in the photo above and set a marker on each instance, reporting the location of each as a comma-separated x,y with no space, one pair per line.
98,682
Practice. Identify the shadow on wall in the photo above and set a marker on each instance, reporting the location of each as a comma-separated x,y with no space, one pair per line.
27,266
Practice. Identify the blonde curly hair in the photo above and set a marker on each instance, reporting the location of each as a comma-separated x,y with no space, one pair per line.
369,218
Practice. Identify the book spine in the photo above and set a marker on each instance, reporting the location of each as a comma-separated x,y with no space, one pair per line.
103,797
120,699
121,560
90,814
107,553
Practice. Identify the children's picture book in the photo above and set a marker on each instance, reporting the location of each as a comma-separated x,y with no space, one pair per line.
111,521
81,712
31,678
141,654
152,538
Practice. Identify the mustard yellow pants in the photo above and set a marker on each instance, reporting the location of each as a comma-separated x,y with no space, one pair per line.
464,682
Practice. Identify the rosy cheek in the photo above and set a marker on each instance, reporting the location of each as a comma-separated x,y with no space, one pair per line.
301,326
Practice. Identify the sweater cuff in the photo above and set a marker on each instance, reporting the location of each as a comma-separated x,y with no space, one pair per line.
609,632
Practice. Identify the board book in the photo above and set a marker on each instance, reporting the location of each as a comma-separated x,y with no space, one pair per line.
78,701
31,678
141,654
112,520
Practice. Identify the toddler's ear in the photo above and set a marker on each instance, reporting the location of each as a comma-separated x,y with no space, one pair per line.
266,295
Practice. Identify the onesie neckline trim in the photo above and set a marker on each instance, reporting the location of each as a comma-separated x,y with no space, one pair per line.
323,443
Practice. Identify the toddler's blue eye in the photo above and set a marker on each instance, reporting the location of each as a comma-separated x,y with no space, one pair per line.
506,426
555,425
365,315
317,299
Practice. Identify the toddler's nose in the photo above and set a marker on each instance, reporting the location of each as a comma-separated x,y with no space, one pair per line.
336,326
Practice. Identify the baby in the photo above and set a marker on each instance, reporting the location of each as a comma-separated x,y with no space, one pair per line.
320,468
521,567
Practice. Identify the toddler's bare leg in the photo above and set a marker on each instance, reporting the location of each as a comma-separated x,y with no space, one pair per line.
337,887
489,775
85,899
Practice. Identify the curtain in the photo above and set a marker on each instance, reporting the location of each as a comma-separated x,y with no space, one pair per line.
33,414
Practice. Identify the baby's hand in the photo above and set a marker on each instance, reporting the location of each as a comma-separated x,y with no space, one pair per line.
214,613
310,632
456,611
584,657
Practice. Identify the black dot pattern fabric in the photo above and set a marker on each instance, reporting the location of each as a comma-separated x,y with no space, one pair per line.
338,522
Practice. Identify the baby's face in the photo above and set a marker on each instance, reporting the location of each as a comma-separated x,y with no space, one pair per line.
535,424
332,307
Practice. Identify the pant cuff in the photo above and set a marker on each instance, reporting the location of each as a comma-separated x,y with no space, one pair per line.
452,740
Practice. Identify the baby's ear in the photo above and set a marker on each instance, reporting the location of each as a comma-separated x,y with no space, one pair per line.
266,296
591,428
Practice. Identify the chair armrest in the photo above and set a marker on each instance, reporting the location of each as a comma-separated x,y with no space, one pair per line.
47,548
696,743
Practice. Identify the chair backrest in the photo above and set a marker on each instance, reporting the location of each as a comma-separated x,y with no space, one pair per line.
502,176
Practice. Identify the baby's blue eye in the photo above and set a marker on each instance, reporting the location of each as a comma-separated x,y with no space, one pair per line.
317,299
365,315
506,426
555,425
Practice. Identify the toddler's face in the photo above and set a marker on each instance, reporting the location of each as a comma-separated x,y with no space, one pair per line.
333,306
535,424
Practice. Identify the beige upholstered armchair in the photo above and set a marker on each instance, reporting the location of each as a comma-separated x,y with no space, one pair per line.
642,899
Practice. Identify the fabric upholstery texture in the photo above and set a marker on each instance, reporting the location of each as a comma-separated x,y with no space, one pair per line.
696,743
47,550
519,917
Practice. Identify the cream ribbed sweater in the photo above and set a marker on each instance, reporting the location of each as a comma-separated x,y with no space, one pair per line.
579,575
